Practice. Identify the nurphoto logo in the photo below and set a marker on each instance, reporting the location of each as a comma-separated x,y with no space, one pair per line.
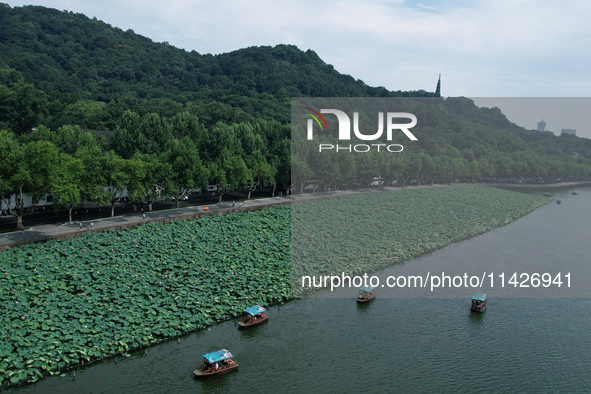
344,130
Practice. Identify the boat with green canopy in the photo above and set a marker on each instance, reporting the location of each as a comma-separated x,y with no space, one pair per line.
252,316
216,363
478,302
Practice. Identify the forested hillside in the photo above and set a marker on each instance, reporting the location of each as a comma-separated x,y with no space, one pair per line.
84,105
81,64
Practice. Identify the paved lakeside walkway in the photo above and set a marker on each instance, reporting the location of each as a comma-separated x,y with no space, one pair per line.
43,232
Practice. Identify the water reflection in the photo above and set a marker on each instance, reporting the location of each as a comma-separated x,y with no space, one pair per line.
475,317
364,307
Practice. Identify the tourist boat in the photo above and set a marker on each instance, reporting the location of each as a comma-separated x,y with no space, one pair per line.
546,194
478,302
252,316
216,363
575,193
366,294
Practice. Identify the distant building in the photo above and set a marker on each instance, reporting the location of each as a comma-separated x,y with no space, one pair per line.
568,131
542,125
438,88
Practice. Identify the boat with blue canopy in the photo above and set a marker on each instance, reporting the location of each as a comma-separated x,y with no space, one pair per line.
478,302
253,315
366,294
215,363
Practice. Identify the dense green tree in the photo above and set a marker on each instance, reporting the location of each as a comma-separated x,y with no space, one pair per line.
66,183
281,160
67,139
367,169
22,107
27,170
185,124
88,114
154,183
260,170
233,173
92,183
188,171
116,174
154,134
127,136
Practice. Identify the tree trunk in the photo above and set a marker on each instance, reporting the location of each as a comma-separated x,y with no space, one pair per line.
112,208
70,214
150,206
19,208
249,191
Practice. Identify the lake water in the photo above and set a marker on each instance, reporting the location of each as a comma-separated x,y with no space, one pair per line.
528,340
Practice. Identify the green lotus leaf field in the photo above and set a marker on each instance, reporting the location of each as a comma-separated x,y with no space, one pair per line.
367,232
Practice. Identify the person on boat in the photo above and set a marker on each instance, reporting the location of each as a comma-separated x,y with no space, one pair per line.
216,367
227,363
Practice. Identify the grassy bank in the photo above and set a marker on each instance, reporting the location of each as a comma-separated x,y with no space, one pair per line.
63,303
